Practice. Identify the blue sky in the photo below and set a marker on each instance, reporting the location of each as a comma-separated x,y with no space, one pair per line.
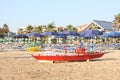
20,13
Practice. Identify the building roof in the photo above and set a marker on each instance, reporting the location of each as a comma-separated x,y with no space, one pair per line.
83,26
104,24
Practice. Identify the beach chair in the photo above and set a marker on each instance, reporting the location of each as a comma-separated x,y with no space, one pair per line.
20,47
117,46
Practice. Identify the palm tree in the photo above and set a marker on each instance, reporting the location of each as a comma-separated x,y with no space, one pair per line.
40,28
71,27
29,28
1,31
20,31
74,29
37,29
5,29
116,22
50,26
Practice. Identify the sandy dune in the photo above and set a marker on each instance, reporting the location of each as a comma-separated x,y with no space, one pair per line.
19,65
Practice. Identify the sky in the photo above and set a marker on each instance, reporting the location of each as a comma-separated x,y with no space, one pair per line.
20,13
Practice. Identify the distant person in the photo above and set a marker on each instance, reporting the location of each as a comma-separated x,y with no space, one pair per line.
82,44
103,40
92,46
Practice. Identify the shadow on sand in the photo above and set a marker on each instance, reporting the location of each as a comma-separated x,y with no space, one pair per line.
105,59
93,60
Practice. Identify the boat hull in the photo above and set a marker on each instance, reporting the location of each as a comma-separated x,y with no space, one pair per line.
68,57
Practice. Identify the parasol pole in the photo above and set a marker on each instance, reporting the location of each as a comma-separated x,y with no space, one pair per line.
65,50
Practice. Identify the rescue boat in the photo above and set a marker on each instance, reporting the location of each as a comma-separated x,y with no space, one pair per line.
78,55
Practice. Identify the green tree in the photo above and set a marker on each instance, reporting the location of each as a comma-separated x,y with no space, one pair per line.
51,26
71,27
20,31
74,29
5,29
29,28
38,29
116,22
1,31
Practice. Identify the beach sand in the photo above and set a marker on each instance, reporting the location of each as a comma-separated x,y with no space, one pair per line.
19,65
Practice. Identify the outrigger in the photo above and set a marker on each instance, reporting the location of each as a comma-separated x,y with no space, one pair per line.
79,54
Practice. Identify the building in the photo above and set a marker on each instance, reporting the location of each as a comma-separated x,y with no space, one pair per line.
98,25
59,28
82,27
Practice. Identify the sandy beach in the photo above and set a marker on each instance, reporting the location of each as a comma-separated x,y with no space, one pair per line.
19,65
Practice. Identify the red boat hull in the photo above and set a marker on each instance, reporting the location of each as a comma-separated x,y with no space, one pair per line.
68,57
